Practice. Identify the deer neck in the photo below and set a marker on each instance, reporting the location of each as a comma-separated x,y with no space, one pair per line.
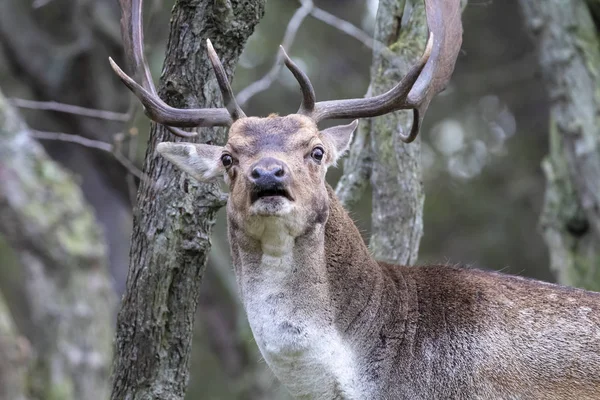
314,263
295,296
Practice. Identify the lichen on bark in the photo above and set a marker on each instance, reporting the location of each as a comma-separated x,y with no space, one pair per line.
397,219
14,358
60,246
569,55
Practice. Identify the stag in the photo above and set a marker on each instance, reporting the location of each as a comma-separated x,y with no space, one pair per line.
331,321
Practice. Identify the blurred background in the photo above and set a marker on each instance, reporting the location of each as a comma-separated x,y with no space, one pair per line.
483,143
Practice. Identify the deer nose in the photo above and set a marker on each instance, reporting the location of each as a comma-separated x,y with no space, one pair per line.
268,171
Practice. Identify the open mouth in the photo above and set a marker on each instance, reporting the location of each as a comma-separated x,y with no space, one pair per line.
269,193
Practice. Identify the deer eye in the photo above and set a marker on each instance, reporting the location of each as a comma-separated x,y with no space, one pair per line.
227,160
317,154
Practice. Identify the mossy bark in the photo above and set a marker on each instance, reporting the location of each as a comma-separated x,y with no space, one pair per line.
569,57
45,219
397,219
175,215
14,356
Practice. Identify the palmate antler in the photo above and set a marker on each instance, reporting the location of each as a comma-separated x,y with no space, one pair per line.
415,91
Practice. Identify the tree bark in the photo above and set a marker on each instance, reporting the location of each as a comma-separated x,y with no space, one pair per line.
377,153
569,56
397,219
45,219
174,218
357,167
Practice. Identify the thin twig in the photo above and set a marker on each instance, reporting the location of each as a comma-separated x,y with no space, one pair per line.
69,109
65,137
94,144
131,168
40,3
307,8
342,25
355,32
131,153
288,39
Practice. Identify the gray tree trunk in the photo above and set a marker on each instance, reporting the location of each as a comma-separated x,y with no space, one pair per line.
60,246
377,153
14,355
173,221
397,219
58,52
569,57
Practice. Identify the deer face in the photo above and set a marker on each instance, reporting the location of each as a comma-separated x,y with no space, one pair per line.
275,169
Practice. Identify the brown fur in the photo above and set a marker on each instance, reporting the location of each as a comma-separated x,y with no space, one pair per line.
442,332
332,322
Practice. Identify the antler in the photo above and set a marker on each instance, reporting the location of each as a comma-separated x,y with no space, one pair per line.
426,78
156,109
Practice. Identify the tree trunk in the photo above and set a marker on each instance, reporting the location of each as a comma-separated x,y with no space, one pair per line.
14,354
45,219
58,52
569,56
377,153
173,221
397,219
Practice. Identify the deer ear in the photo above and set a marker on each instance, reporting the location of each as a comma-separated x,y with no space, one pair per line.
201,161
340,136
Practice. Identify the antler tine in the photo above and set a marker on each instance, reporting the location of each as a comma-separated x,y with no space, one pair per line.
155,107
228,97
308,92
426,78
393,100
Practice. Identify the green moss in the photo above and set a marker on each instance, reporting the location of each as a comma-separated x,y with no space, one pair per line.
40,384
585,272
60,391
408,44
68,223
385,130
77,238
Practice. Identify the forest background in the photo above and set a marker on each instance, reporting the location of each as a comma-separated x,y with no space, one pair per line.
499,175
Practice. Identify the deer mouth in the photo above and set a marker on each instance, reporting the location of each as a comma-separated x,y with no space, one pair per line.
269,193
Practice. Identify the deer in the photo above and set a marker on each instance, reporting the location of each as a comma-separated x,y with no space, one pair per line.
331,321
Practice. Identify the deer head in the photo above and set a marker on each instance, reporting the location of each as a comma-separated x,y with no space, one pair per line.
275,166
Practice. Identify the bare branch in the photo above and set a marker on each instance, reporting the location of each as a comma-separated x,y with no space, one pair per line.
40,3
94,144
342,25
131,153
65,137
288,39
126,162
307,8
69,109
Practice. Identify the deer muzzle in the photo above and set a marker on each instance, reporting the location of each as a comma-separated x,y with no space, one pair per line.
269,177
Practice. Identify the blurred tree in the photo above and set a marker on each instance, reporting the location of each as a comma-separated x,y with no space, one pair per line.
13,358
57,51
397,218
174,215
569,56
70,299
